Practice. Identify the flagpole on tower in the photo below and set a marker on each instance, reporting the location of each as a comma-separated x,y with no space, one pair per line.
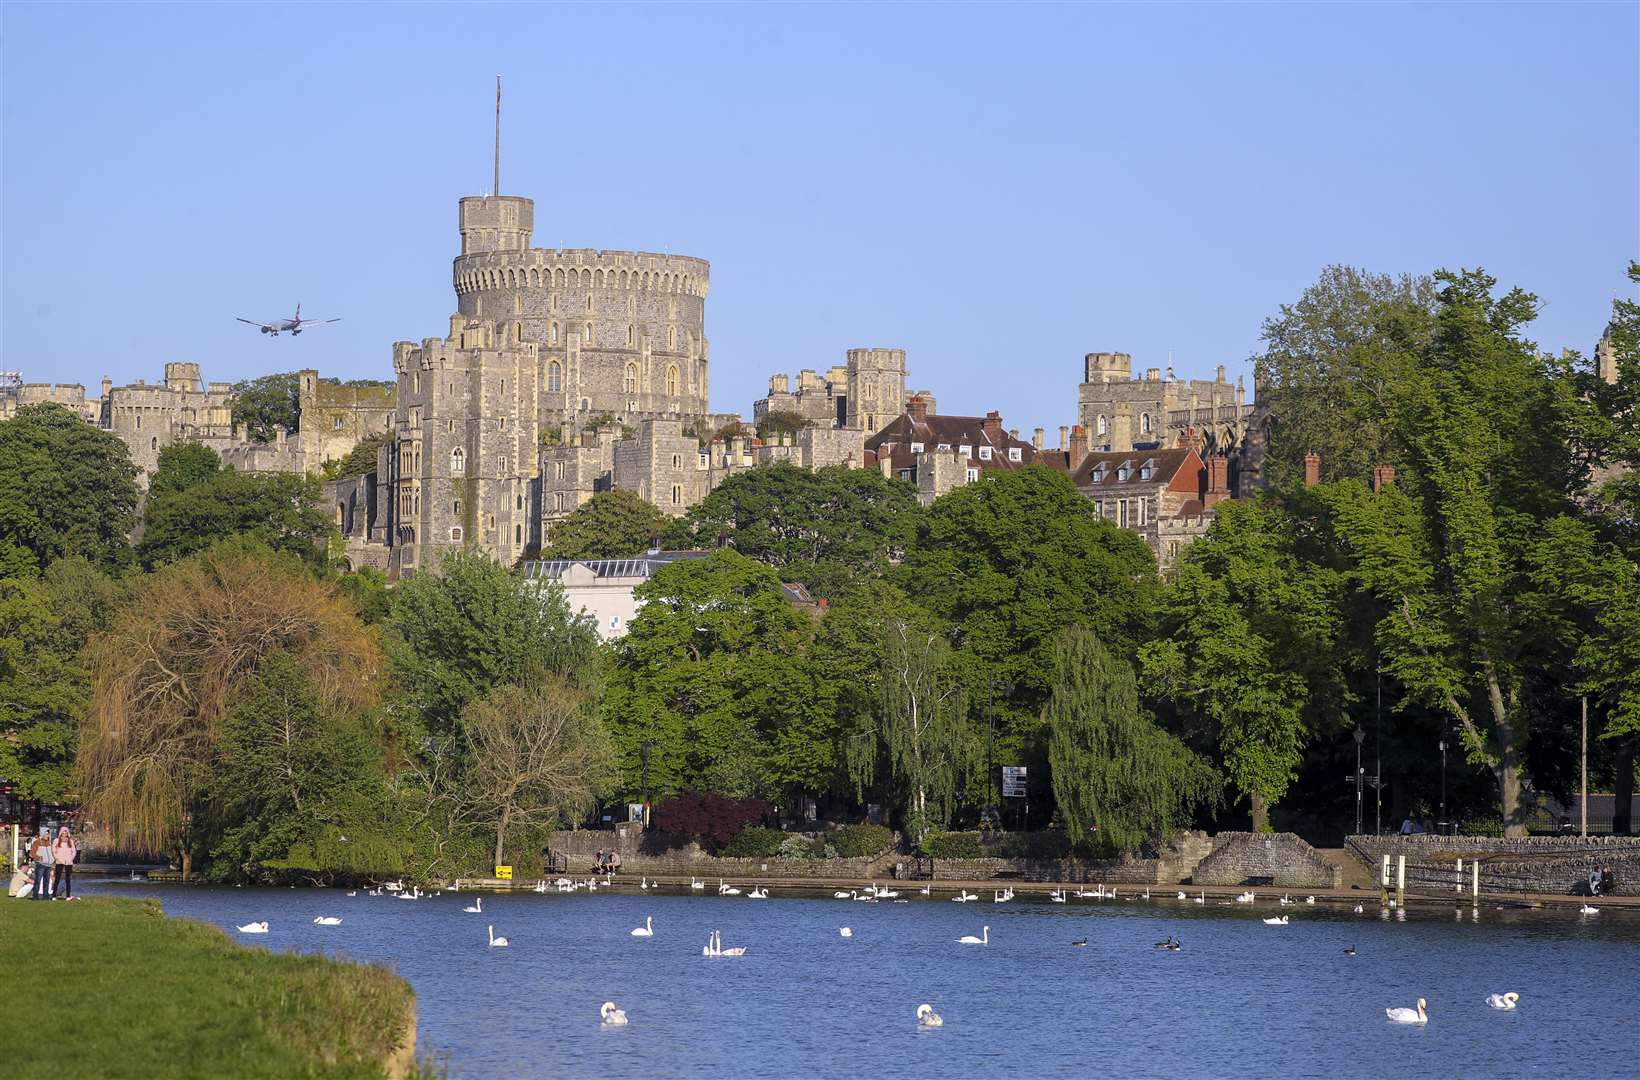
496,190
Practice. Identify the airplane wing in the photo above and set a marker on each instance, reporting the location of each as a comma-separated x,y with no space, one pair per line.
317,322
249,322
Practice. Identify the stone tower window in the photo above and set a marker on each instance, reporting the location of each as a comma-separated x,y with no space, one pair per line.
671,337
677,461
586,333
677,495
455,534
455,508
554,338
672,379
1103,425
1144,423
631,301
555,371
458,463
589,301
631,334
631,380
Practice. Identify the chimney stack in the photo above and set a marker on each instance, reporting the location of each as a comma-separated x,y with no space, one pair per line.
1382,476
1036,440
917,406
1078,447
1218,480
1064,433
1189,440
1312,469
993,427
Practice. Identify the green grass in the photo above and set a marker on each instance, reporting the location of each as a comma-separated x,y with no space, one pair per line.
127,992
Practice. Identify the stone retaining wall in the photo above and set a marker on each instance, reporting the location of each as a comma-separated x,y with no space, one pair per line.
1087,871
1542,864
1282,857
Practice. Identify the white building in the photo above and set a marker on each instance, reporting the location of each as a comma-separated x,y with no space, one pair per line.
603,588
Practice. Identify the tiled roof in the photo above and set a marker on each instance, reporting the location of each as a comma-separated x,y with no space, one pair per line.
939,433
1102,470
640,566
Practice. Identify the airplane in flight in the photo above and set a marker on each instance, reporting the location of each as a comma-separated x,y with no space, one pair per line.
296,324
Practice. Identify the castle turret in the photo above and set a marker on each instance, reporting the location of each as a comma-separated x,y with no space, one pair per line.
496,223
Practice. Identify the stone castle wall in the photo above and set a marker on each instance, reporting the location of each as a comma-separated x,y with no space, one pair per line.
1282,857
1557,865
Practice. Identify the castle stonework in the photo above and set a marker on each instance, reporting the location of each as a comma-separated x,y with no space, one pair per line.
1120,412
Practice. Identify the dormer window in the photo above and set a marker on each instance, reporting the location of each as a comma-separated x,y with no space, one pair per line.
944,446
1013,453
1148,469
1099,473
965,450
985,453
916,448
1123,473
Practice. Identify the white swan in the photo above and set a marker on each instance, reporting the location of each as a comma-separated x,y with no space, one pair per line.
1202,899
610,1014
1181,896
963,897
841,895
355,892
1057,896
1587,910
253,928
1358,909
1309,899
758,893
1408,1016
970,939
647,929
496,942
696,883
476,907
923,891
1245,898
1503,1001
927,1017
326,920
1282,921
845,932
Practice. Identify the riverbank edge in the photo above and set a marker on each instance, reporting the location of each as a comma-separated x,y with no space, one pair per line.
206,953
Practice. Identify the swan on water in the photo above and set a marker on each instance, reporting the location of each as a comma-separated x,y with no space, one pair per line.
1358,909
923,891
1587,910
1408,1016
845,932
1279,921
355,892
963,897
970,939
841,895
1245,898
253,928
1057,896
609,1014
496,942
647,929
696,883
1182,896
1309,899
1285,900
759,893
326,920
476,907
1202,899
927,1017
1503,1001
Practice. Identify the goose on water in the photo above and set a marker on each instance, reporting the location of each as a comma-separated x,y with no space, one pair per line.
647,929
970,939
1080,942
1503,1001
1168,944
609,1014
253,928
927,1017
1420,1015
1349,950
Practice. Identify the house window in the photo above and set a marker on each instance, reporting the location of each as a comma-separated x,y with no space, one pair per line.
973,474
916,448
458,462
985,453
614,622
1123,508
1013,453
455,534
1123,473
964,450
1148,469
905,474
555,378
336,424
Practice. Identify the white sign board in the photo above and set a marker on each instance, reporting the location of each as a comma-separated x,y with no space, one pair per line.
1013,781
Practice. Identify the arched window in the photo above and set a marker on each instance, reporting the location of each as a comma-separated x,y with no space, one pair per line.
1104,425
458,462
631,381
589,301
586,333
153,443
555,375
1144,423
455,534
554,338
672,379
631,334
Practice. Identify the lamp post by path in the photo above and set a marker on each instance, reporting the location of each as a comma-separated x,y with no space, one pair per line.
643,754
1443,784
1360,737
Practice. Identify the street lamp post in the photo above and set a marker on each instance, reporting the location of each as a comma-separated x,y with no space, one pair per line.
643,754
1443,783
1360,737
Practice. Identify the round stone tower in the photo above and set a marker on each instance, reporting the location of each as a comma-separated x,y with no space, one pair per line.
621,333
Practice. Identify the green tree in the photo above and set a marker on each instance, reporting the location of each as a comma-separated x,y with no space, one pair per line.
359,461
66,488
822,527
1328,364
611,525
1250,644
778,423
182,466
281,510
537,755
455,635
1480,422
1116,775
711,672
261,403
922,729
367,588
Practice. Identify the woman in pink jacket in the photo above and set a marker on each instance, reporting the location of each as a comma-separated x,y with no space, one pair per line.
64,850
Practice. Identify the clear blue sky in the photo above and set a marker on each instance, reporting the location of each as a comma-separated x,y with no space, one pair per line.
997,189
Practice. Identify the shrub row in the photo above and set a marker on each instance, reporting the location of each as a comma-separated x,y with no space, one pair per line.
848,842
998,845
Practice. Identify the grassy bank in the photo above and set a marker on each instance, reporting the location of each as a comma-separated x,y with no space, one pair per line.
114,988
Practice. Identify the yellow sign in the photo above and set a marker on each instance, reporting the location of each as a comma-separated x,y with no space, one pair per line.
504,873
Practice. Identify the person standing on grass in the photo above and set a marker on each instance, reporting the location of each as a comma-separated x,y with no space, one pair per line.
40,852
63,852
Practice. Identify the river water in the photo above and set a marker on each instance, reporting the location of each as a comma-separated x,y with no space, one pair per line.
1240,999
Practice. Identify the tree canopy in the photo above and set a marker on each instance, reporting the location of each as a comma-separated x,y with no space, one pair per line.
281,510
611,525
66,488
263,402
182,466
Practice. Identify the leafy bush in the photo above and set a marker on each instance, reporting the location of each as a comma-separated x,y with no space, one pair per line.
755,842
711,819
858,841
954,845
801,847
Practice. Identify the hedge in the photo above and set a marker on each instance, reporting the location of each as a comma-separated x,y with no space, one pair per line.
755,842
858,841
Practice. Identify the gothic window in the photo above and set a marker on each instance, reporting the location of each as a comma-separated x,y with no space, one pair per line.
458,462
1103,425
677,495
586,333
554,338
1144,423
518,534
631,381
139,421
153,443
672,379
671,337
631,334
555,371
589,301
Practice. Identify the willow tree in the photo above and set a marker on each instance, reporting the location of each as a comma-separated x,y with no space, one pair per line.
165,673
1116,775
921,729
536,754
